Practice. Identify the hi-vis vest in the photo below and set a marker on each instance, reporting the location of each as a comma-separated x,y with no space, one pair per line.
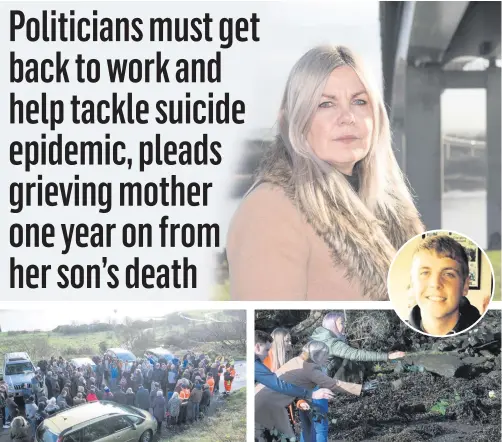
210,382
184,393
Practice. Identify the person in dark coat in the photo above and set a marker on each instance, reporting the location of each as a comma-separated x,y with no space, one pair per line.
153,393
11,406
137,379
142,399
159,409
173,408
205,402
130,397
216,371
120,396
157,375
172,377
48,384
54,380
40,415
20,430
61,400
195,398
37,385
43,366
74,384
69,399
79,399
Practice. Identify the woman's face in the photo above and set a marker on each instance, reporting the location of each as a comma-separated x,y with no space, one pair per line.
342,125
340,325
287,342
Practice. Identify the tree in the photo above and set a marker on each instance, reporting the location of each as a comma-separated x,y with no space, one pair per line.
135,339
309,324
143,341
231,335
267,320
103,346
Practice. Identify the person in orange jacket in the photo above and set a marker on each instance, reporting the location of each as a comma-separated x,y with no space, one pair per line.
184,395
210,382
228,378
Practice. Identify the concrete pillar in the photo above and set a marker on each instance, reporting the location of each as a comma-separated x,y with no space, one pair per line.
423,153
398,141
493,153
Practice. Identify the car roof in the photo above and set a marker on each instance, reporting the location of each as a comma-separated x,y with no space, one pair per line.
82,414
83,361
160,350
17,356
119,351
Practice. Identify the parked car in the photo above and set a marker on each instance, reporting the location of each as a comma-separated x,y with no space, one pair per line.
80,362
102,421
158,353
18,371
124,355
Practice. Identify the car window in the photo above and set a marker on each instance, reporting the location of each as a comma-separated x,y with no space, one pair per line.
45,435
73,437
118,423
20,368
96,431
136,420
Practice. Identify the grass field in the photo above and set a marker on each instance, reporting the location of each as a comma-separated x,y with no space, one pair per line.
227,425
45,344
41,345
494,256
216,347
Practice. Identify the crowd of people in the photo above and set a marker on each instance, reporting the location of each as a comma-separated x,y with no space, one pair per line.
281,377
177,391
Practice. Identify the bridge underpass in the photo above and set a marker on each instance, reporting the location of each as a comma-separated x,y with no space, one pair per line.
428,47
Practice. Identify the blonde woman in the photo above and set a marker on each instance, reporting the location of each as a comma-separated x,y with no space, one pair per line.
330,206
280,352
304,371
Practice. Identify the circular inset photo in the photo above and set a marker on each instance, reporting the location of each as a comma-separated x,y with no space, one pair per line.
440,283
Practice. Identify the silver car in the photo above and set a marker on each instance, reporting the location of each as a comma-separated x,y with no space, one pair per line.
98,421
18,371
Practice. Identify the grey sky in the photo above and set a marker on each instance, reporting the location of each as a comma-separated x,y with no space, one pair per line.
49,317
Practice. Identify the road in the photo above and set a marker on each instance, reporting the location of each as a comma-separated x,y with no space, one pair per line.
239,382
240,376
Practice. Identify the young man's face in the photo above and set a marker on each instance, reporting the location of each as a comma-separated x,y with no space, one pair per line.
261,350
437,284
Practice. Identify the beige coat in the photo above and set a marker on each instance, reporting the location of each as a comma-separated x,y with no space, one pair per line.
270,406
275,254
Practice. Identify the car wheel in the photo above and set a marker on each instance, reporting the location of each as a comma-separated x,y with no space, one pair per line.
146,436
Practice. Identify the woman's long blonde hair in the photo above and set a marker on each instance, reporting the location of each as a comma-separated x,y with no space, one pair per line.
280,353
382,188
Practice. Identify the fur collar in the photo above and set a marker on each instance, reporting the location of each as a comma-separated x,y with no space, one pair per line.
364,244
